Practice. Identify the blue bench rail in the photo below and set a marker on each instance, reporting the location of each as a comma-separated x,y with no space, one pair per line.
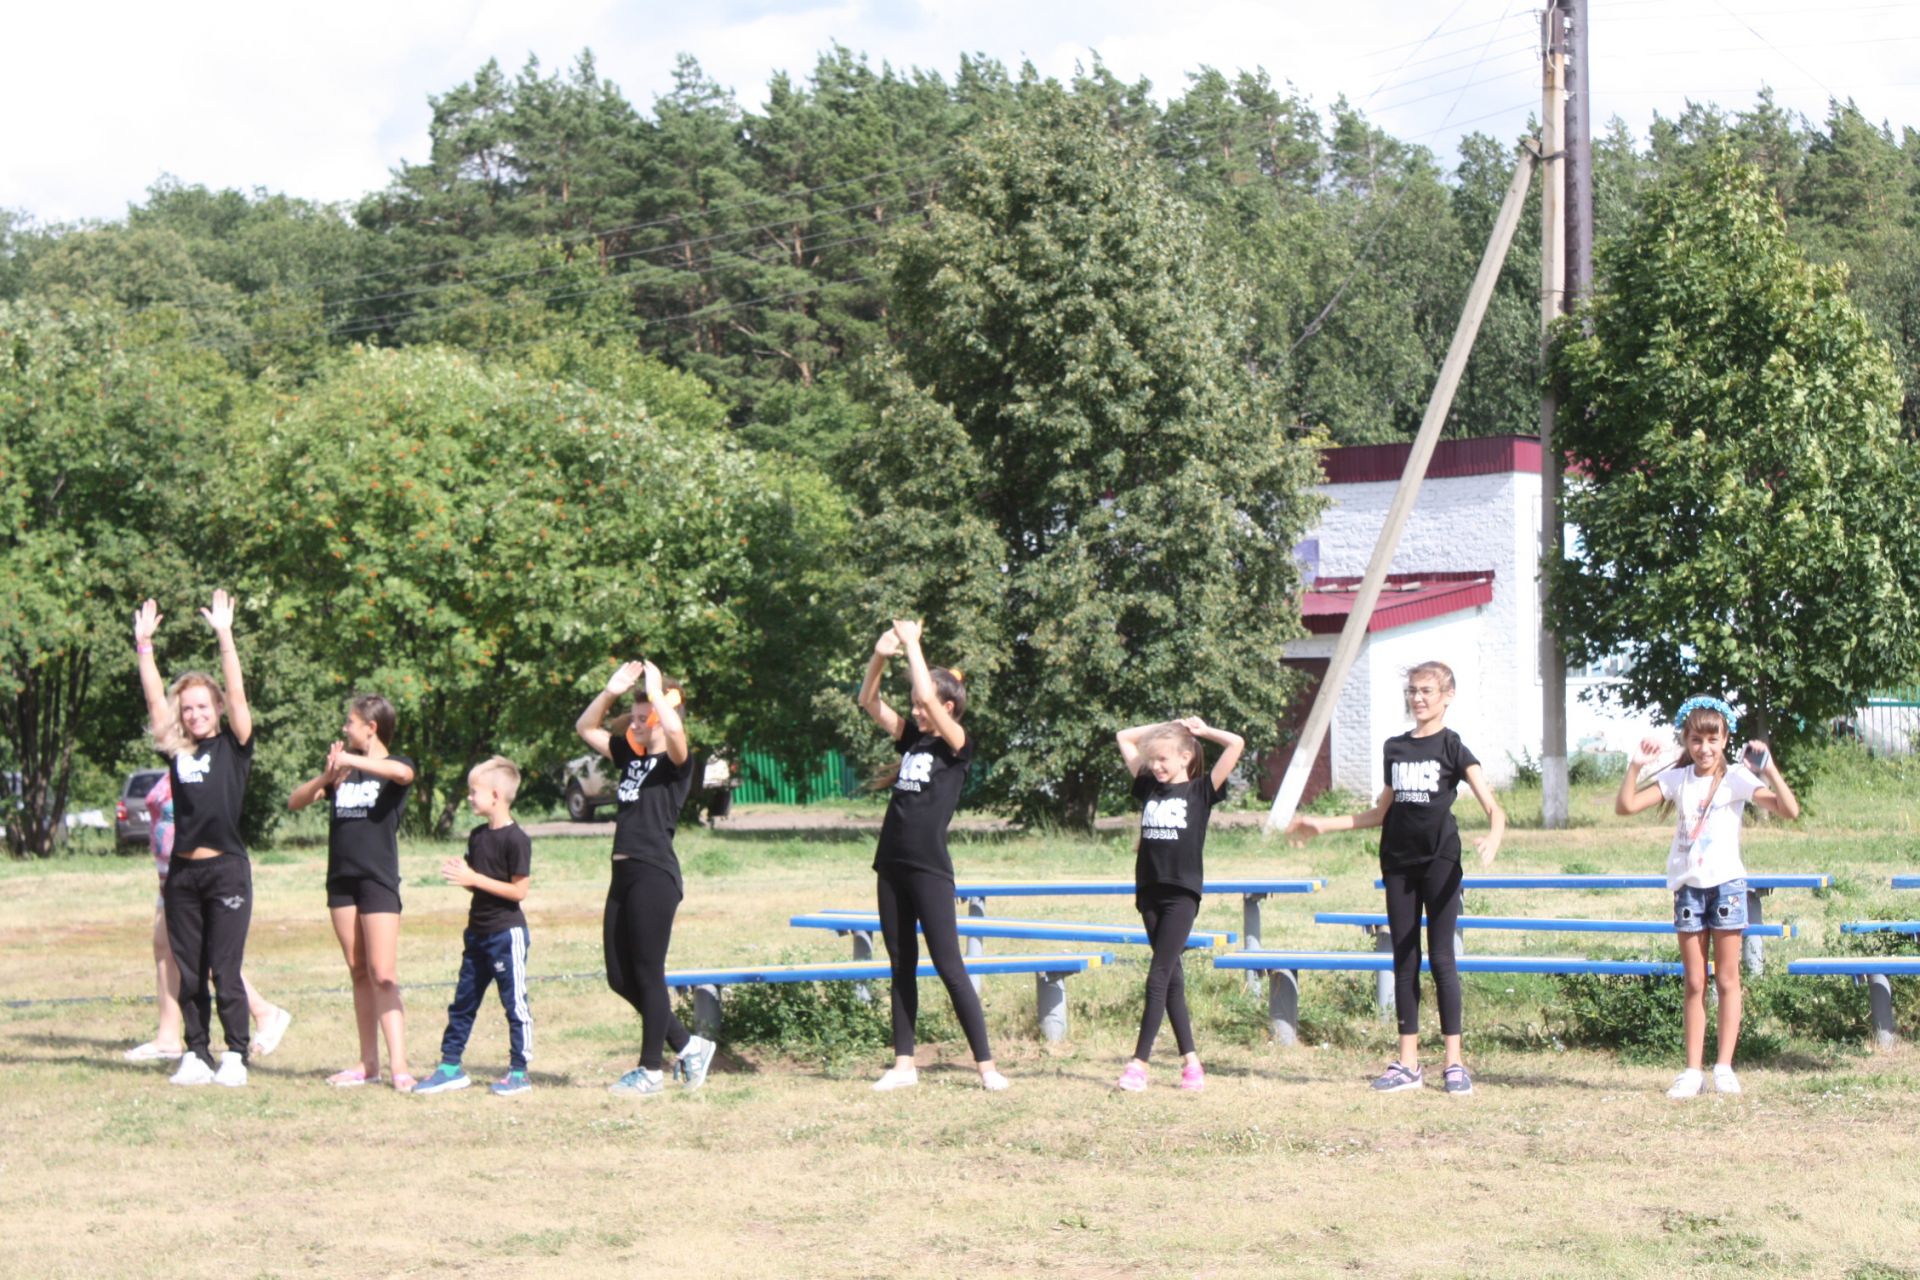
1881,926
868,923
1543,924
1906,882
1876,972
1050,974
1816,880
1080,888
1284,968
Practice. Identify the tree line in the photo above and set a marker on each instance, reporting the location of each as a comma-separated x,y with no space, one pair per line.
1045,363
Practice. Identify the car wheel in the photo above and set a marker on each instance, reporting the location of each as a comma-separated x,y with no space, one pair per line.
577,807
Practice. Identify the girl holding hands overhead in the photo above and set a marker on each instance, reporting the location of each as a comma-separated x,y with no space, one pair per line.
1420,865
914,869
1704,869
1177,793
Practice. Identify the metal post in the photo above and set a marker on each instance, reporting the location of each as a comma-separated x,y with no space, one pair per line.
1554,779
1283,1006
862,950
1751,951
1880,996
1383,981
706,1011
976,908
1050,1005
1250,935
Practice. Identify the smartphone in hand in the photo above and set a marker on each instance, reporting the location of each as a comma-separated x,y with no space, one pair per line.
1756,758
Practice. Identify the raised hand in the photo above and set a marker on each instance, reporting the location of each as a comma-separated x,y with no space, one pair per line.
1649,749
888,644
1193,725
655,691
624,677
220,616
907,629
146,621
335,770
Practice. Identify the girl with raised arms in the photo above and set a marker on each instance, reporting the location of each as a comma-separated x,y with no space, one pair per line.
1177,793
365,785
914,869
209,892
650,754
1420,865
1705,873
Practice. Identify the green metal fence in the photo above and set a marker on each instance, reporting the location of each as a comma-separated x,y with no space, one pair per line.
763,781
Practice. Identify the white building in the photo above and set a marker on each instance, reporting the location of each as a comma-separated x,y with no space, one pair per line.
1463,588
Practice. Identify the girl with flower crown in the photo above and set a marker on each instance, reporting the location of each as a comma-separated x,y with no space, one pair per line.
1704,869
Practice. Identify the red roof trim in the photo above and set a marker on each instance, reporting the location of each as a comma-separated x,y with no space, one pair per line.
1481,456
1406,598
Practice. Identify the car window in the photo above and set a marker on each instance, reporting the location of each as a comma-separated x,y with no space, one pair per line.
139,784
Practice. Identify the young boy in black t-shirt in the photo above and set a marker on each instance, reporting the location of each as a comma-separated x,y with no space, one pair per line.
498,870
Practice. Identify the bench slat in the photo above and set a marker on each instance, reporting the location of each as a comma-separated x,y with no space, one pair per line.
1542,924
872,970
1906,882
1858,966
1817,880
1881,926
988,927
1379,961
1066,888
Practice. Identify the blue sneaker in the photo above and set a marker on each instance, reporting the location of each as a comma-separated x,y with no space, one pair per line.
1397,1078
639,1083
510,1084
445,1078
691,1066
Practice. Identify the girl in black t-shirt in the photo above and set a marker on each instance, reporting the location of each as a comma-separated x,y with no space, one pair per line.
916,874
655,767
209,892
366,790
1177,793
1420,865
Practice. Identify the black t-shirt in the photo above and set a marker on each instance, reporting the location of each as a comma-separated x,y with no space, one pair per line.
1424,775
502,853
914,832
364,839
1173,830
650,792
209,783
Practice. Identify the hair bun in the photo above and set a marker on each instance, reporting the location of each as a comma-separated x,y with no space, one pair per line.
957,674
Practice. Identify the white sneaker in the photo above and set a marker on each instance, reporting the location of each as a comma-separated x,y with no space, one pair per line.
193,1070
233,1070
897,1078
272,1028
152,1051
1688,1083
992,1081
1724,1081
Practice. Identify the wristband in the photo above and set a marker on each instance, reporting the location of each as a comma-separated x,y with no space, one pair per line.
143,647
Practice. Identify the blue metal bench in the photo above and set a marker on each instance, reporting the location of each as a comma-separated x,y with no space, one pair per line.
1881,926
1759,885
1050,977
863,925
1876,972
1906,882
1283,999
1374,921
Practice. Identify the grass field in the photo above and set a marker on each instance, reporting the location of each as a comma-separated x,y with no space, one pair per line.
1565,1163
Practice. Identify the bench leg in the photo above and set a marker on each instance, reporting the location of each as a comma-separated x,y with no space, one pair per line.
976,908
1383,981
1050,1005
1752,955
1283,1006
706,1012
862,950
1880,995
1250,935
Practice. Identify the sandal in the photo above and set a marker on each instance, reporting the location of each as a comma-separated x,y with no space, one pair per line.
351,1078
403,1083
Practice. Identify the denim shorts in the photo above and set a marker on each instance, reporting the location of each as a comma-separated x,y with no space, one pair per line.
1724,906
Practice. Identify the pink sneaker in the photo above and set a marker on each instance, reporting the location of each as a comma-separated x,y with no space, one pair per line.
1133,1079
1193,1077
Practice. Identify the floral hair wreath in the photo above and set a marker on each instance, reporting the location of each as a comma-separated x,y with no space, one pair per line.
1703,703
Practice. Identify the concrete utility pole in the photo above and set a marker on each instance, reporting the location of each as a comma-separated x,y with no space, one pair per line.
1553,285
1579,157
1293,783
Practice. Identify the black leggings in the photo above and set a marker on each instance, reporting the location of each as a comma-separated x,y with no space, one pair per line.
909,897
1435,890
209,904
638,925
1169,921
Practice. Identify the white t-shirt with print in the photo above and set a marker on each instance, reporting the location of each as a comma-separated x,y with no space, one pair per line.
1714,858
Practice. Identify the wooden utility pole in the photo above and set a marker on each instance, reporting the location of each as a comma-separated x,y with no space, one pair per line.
1294,782
1553,285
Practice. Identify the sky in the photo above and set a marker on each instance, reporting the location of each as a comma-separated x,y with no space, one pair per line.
103,97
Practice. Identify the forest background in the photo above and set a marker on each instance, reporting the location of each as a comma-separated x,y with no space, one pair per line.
1044,362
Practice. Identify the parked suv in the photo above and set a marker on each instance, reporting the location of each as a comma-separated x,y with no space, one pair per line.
589,785
131,822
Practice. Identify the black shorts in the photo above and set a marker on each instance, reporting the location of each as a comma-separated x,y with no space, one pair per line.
371,896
